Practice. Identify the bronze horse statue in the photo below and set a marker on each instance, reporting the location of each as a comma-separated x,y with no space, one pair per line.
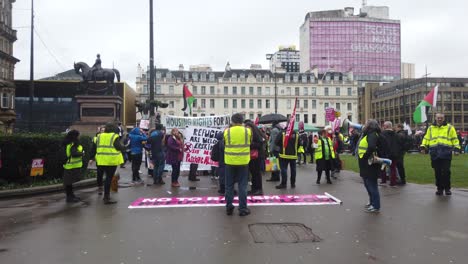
88,75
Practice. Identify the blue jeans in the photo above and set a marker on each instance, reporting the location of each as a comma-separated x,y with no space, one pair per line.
373,190
159,162
284,170
242,173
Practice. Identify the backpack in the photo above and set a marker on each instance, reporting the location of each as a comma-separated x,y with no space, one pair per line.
215,153
407,143
383,147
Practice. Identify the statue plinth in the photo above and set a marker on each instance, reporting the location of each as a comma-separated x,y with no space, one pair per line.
97,110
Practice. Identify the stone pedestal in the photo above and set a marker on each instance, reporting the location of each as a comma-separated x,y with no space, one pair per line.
97,110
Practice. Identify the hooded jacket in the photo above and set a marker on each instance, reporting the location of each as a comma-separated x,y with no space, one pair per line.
136,141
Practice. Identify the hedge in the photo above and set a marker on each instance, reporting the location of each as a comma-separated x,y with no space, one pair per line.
18,151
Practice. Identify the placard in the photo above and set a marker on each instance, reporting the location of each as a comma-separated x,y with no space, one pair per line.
37,167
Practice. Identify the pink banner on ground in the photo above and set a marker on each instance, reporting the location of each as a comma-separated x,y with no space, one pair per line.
205,201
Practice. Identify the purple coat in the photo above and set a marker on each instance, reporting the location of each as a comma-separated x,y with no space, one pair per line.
174,151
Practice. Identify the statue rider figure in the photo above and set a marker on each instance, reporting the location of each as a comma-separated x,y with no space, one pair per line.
96,66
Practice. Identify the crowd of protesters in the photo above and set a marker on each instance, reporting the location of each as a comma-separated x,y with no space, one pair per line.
243,148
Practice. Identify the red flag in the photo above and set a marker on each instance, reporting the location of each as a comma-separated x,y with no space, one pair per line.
290,128
256,121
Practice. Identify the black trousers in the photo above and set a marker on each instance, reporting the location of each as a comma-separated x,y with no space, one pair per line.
100,175
442,173
109,171
312,154
193,171
136,163
254,168
400,164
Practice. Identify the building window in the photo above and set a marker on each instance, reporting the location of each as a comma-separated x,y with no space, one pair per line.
251,103
259,103
306,118
298,117
350,107
350,91
267,90
251,91
251,116
171,104
243,90
306,104
338,106
5,103
296,91
195,89
326,105
226,103
267,104
212,77
226,90
145,88
325,91
234,103
259,77
203,90
243,103
212,103
288,104
314,118
195,103
158,89
306,91
203,103
171,89
234,90
313,91
338,91
212,90
314,104
259,90
288,90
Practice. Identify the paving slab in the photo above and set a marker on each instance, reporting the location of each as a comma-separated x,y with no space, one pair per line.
414,226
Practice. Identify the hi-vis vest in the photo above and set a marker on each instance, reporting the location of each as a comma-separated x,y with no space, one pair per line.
283,154
319,152
362,148
73,162
237,141
106,154
443,136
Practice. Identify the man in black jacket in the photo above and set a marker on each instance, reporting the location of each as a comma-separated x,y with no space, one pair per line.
287,156
391,142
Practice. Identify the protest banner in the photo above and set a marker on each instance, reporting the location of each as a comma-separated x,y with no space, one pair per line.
256,200
182,122
144,124
330,114
198,144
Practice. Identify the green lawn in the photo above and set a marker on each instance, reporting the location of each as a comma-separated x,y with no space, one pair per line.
418,168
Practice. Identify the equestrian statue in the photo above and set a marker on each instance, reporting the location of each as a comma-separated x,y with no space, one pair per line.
97,73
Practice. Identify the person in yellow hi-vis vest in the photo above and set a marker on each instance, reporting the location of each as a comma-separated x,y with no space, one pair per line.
324,156
73,164
441,140
237,139
109,156
287,157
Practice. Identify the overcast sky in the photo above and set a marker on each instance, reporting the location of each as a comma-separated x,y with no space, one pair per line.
213,32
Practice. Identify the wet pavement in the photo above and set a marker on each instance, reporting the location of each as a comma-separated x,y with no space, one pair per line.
414,226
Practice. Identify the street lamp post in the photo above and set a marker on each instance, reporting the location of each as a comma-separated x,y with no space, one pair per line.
151,92
270,57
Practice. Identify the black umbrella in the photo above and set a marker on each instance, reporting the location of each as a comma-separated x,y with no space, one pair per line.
271,118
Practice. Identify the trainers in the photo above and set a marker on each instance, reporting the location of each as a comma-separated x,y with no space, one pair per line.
244,212
439,192
222,192
281,186
100,190
371,209
229,210
448,192
175,184
293,185
73,200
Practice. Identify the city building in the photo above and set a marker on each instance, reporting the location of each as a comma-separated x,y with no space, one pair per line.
397,101
7,67
407,70
368,44
57,106
252,92
287,58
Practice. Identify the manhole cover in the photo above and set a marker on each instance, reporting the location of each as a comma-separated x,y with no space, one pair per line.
282,233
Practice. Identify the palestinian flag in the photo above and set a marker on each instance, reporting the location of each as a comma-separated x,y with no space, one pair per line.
188,99
420,116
